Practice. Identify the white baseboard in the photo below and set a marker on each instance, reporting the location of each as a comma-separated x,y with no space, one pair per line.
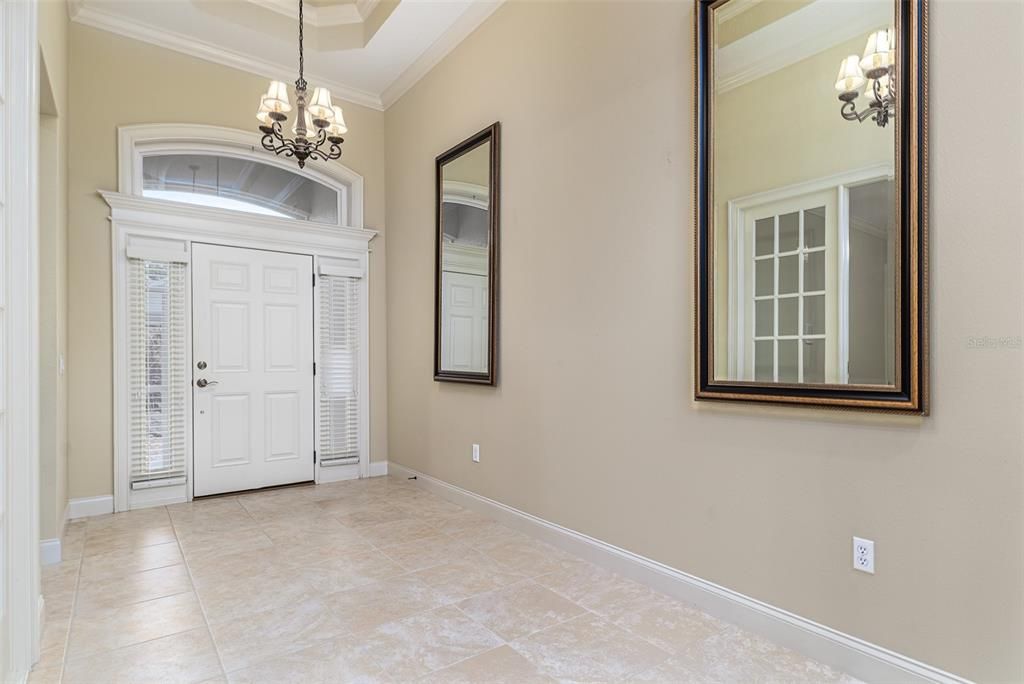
90,506
49,551
862,659
378,468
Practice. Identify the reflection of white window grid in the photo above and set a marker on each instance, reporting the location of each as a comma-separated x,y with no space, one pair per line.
802,252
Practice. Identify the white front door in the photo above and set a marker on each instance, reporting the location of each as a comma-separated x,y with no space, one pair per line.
252,368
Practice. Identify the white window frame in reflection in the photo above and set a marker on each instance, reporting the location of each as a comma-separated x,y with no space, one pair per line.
742,258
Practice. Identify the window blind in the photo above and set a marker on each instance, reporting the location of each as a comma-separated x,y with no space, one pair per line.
339,371
157,373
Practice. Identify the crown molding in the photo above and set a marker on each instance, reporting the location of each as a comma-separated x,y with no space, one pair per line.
81,12
733,9
797,36
319,16
439,49
84,14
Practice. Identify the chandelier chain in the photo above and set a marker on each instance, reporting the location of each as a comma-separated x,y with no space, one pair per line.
302,59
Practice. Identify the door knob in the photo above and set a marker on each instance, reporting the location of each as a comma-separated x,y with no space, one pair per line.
203,382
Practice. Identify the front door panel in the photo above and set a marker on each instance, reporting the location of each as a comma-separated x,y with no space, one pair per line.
253,330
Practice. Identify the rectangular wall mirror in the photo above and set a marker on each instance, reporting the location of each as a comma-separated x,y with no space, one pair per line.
811,228
466,261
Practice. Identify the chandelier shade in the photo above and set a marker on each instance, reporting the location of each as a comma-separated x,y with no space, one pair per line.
319,123
875,72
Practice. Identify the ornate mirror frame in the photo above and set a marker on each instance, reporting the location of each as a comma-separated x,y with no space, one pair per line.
492,135
910,392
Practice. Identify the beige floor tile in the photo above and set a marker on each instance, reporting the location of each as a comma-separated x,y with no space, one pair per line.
130,520
308,530
426,552
727,656
137,622
350,571
673,671
526,555
222,522
233,599
367,581
669,624
186,657
396,532
520,609
606,593
468,575
428,506
328,662
589,649
185,512
419,644
202,547
109,540
238,566
306,553
502,665
129,561
375,604
102,594
60,577
44,675
476,531
372,514
267,634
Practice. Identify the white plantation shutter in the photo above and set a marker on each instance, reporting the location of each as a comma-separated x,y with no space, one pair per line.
157,372
338,370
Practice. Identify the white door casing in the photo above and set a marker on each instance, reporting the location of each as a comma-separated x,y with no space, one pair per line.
140,223
20,598
253,328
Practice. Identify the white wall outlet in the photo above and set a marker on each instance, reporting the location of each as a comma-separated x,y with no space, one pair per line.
476,453
864,555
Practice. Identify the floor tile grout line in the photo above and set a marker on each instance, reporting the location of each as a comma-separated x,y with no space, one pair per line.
199,600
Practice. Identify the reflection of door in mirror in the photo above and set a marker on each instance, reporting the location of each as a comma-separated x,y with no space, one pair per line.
465,226
813,283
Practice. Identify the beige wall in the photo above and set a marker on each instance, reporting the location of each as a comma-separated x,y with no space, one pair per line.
53,186
593,425
116,81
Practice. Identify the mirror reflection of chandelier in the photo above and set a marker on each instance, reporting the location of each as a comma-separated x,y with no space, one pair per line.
875,72
317,122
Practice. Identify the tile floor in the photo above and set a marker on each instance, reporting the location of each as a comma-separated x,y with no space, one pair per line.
364,581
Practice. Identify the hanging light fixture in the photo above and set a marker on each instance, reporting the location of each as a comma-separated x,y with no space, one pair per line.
318,121
876,73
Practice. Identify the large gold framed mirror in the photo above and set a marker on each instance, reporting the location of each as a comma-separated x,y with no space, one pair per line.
811,203
466,260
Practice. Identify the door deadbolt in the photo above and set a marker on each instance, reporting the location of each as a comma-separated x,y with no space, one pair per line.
201,365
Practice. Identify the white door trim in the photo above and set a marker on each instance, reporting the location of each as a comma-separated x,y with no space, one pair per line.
19,501
143,224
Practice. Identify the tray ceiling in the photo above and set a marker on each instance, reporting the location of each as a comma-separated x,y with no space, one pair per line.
366,51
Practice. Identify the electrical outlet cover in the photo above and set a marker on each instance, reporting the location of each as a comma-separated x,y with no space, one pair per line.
864,555
476,453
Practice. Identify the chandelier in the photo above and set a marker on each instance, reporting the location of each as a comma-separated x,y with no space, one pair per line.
876,73
317,122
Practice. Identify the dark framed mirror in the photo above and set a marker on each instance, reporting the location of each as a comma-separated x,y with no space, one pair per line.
811,203
467,219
